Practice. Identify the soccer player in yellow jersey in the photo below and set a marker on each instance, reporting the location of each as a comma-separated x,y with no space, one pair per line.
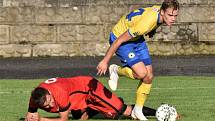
127,41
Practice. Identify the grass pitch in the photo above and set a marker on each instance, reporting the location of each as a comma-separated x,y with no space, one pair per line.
193,97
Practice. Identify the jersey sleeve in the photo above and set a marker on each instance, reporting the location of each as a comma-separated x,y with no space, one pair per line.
64,108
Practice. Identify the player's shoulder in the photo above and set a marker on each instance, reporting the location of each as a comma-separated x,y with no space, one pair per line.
153,12
153,9
50,83
156,8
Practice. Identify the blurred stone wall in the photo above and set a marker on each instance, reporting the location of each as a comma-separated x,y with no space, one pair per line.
35,28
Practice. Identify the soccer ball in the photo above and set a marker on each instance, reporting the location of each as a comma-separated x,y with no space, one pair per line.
166,112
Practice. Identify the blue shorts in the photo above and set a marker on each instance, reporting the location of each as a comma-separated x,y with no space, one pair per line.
132,52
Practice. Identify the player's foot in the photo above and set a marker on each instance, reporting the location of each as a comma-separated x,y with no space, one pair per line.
113,77
138,114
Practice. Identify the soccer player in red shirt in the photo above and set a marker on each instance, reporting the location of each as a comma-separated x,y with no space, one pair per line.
83,96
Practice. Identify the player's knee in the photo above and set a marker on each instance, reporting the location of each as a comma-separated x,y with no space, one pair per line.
141,75
148,78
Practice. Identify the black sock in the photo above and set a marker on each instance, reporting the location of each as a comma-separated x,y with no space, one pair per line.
147,111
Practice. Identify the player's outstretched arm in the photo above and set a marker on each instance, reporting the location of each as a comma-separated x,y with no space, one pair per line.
102,66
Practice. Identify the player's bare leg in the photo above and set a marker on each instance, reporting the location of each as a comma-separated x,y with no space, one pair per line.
144,73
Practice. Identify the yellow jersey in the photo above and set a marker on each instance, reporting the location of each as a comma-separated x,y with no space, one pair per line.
138,22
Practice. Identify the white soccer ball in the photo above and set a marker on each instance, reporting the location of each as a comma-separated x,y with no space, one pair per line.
173,113
166,112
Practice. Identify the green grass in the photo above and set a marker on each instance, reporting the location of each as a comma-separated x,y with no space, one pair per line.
194,97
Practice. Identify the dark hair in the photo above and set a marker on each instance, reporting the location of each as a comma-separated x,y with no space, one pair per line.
38,96
170,4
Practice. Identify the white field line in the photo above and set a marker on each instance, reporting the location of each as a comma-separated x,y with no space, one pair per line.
172,88
14,92
120,89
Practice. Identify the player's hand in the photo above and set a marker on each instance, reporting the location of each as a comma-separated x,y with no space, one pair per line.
102,68
178,116
32,117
